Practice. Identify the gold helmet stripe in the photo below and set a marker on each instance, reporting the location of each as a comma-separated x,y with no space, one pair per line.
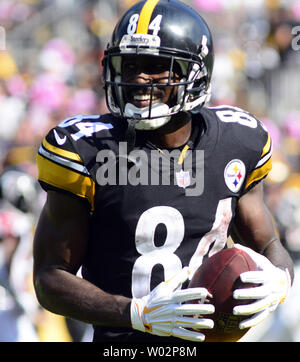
145,16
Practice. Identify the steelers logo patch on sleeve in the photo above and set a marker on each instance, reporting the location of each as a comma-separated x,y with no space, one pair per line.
234,175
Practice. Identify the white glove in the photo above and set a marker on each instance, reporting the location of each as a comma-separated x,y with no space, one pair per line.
161,312
274,288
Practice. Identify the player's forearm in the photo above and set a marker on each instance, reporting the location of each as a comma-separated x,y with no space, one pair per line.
66,294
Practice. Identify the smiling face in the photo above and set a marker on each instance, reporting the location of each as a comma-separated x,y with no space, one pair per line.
147,70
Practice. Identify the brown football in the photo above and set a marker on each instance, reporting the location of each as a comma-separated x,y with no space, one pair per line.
220,275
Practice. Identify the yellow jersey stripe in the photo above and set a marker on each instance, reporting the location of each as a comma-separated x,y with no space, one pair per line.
182,155
65,179
61,152
266,154
145,16
259,173
267,147
63,161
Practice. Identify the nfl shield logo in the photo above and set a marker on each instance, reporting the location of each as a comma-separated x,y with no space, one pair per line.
183,178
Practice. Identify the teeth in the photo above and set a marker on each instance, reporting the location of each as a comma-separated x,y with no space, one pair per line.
143,97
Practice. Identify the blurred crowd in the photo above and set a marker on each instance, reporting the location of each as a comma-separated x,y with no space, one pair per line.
50,69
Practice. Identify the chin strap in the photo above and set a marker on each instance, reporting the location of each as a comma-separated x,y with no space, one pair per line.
131,133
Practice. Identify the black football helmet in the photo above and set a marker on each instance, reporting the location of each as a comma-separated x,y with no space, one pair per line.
20,190
160,28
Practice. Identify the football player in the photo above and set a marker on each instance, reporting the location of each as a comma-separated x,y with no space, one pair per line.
140,196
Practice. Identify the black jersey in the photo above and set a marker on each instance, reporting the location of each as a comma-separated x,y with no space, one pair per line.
154,211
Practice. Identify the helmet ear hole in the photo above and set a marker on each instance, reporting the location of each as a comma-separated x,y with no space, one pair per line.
198,86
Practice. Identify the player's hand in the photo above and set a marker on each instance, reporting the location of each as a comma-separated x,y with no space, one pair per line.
162,313
274,285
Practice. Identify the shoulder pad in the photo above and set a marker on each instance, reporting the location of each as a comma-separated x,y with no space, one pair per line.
244,129
60,164
85,126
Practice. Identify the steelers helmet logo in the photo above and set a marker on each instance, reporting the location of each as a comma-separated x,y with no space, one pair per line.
234,175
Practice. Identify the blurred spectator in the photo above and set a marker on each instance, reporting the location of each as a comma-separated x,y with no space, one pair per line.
18,305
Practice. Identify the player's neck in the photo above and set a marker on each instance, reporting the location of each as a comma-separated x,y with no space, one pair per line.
175,133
